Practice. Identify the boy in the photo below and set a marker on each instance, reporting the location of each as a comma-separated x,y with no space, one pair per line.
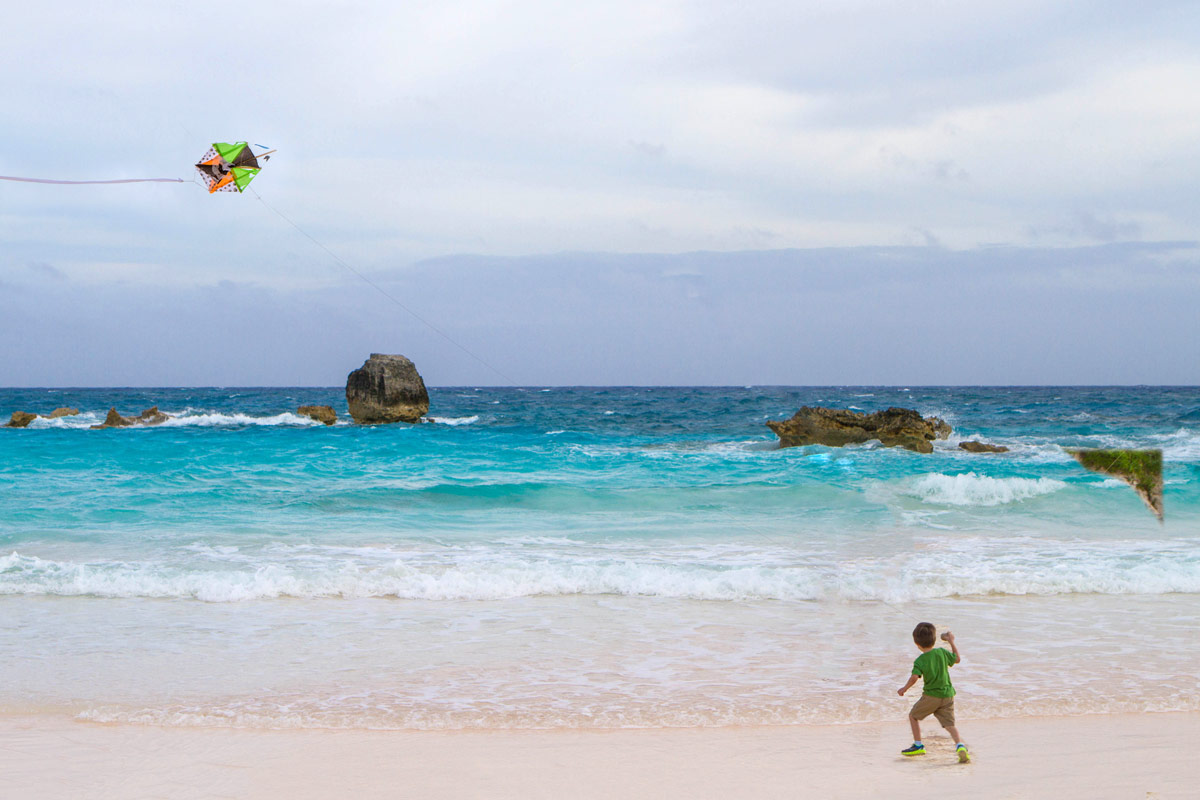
938,697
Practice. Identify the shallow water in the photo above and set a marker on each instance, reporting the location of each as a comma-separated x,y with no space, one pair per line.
588,557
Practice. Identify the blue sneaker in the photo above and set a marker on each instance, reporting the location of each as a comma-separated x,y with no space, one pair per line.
963,755
914,750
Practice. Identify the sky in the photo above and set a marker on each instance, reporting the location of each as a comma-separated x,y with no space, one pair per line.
542,193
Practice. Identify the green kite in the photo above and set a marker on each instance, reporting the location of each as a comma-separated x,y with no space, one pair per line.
1141,469
229,167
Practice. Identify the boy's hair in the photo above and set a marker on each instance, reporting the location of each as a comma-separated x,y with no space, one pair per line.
925,634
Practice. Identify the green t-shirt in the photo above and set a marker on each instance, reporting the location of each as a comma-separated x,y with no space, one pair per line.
934,667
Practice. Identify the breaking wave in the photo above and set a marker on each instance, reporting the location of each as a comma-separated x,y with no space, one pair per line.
971,567
183,419
970,489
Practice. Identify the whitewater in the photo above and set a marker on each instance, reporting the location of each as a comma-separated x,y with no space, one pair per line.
587,557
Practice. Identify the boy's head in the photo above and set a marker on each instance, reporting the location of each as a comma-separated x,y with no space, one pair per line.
925,635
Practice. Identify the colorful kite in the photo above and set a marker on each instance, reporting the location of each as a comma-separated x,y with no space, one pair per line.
225,168
229,167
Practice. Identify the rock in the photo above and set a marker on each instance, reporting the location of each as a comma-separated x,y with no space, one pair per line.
113,420
324,414
982,447
1141,469
836,427
62,412
386,388
20,419
151,416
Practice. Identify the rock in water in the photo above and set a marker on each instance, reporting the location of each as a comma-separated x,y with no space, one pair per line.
982,447
941,428
1141,469
386,389
836,427
113,420
151,416
63,412
324,414
20,419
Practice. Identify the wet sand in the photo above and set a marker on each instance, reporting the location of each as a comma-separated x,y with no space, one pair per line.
1103,756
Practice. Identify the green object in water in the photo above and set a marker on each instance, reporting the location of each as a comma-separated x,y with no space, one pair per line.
1141,469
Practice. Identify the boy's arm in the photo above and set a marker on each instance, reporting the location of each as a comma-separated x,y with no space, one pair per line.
911,680
949,637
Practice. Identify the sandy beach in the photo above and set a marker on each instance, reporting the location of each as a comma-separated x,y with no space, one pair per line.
1102,756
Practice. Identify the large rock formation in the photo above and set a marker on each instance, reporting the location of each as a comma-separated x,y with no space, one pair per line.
836,427
151,416
20,419
324,414
386,389
982,447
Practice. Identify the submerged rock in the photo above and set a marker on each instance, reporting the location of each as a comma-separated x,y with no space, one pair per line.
982,447
1141,469
151,416
20,419
835,427
324,414
386,388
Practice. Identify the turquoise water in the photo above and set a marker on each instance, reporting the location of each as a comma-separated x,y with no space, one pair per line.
583,557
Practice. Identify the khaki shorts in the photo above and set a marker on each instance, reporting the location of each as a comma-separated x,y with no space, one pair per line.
942,708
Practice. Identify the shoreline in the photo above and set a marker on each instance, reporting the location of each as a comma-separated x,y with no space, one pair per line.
1095,756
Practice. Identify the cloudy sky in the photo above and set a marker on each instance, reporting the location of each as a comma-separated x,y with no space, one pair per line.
616,192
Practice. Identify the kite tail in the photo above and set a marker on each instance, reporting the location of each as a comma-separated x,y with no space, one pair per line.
122,180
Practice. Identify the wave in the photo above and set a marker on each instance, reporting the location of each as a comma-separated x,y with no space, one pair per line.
970,489
1182,445
975,567
184,419
455,420
494,580
215,420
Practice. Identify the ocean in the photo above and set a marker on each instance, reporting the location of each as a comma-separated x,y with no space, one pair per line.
584,557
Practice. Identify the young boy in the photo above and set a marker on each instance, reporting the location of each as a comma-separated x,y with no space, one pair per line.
933,665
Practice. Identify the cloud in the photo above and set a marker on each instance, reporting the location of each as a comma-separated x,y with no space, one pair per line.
44,270
1115,313
648,149
1086,224
424,129
410,134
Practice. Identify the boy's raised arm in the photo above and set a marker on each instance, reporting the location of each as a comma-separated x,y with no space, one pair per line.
949,637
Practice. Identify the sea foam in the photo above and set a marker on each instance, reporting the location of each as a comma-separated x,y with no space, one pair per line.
970,489
960,568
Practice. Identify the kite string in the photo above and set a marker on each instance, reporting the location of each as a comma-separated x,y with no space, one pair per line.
381,290
122,180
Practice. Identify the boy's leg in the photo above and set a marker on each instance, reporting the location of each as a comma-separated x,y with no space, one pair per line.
946,717
916,728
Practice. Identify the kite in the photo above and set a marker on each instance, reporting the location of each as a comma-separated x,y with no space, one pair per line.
225,168
229,167
1141,469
